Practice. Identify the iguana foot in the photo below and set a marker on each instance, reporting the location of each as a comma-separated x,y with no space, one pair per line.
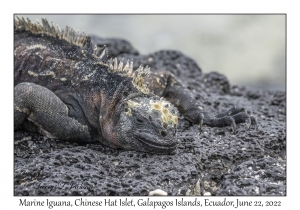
42,107
230,118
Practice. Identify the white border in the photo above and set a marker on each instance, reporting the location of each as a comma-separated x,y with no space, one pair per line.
154,6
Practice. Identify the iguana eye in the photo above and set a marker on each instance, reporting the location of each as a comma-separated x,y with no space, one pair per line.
125,93
139,120
163,133
126,109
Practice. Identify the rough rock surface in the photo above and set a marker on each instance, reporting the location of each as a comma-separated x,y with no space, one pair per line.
214,161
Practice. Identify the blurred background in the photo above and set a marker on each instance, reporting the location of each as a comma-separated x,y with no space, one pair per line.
250,50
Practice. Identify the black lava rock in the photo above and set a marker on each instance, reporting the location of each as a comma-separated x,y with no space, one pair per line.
250,162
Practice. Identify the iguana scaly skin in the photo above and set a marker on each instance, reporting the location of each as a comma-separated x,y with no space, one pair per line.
68,89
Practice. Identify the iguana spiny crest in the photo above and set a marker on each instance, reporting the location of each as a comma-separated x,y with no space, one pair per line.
84,41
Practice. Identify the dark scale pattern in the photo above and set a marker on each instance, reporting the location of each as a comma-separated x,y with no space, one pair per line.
248,163
55,122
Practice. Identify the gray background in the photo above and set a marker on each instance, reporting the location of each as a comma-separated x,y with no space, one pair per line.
248,49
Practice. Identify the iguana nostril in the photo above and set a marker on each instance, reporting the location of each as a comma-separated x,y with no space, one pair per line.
163,133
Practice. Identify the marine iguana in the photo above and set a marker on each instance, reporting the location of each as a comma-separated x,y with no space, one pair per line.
68,89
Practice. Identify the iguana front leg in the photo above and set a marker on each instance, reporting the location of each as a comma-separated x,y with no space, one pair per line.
42,107
165,84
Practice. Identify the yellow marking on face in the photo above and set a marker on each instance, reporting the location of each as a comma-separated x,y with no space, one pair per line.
31,73
166,115
132,104
156,106
128,113
165,111
164,118
175,119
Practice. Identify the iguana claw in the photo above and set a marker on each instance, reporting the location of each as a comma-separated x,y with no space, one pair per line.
232,124
248,123
201,118
254,122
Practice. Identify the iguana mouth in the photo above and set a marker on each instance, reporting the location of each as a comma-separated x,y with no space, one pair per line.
153,144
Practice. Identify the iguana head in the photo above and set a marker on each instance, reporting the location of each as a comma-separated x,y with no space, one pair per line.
136,119
143,123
